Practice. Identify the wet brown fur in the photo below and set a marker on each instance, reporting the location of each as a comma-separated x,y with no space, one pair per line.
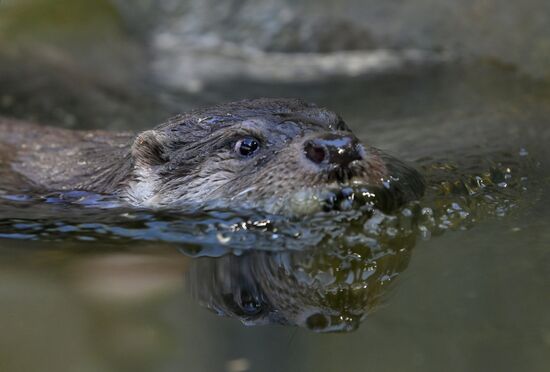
190,159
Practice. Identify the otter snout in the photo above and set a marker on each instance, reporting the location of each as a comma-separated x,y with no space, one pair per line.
333,149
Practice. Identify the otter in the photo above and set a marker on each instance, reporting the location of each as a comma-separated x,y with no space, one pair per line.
277,155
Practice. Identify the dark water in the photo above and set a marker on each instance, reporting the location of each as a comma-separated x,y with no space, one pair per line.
457,281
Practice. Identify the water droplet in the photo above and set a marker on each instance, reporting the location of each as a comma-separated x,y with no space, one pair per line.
223,239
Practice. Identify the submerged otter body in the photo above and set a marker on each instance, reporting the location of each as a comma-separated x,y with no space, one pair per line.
277,155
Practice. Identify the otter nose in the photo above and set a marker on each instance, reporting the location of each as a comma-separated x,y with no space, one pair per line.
333,149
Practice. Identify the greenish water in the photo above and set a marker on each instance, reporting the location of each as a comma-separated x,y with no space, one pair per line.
458,281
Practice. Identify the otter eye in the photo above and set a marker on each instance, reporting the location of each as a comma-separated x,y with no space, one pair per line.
247,146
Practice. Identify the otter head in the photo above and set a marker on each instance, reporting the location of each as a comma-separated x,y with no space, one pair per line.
277,155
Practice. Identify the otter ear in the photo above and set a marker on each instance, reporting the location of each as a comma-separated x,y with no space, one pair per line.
148,149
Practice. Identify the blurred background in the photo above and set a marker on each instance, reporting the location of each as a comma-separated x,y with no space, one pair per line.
438,80
92,63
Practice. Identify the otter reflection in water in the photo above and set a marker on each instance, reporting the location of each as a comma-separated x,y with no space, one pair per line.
325,289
